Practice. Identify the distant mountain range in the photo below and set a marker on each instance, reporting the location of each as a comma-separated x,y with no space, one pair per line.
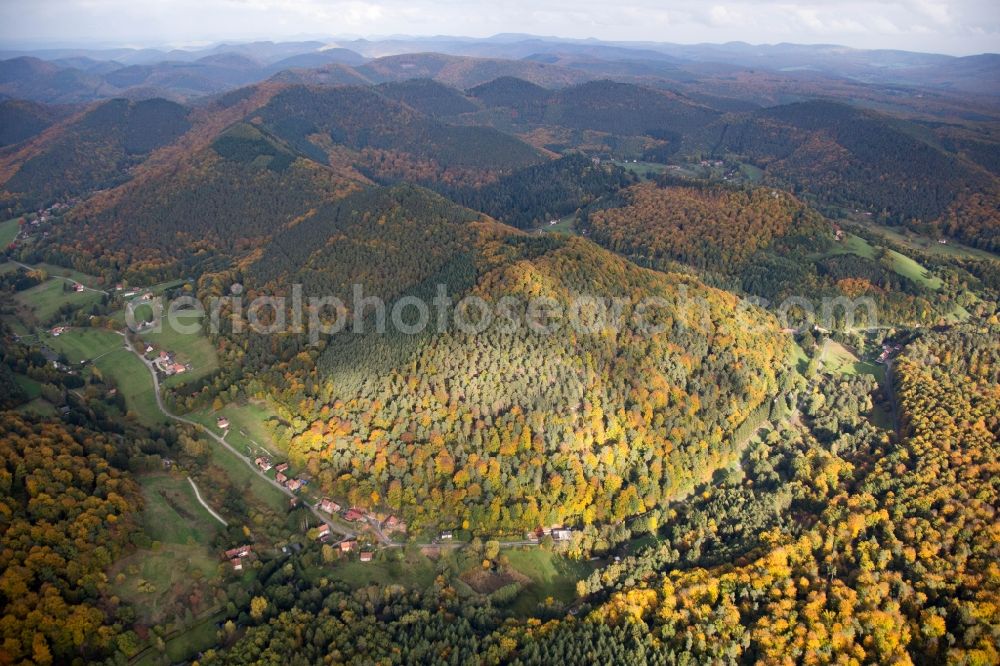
81,75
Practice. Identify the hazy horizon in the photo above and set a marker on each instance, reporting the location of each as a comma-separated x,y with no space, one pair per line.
951,27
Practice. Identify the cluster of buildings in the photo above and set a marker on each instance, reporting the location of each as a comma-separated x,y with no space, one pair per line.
167,364
235,556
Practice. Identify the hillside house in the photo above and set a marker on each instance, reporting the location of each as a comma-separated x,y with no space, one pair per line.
293,484
222,422
280,478
394,524
262,463
329,506
323,533
347,546
237,564
367,555
354,515
281,467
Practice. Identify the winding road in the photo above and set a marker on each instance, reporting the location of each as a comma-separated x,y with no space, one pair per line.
334,527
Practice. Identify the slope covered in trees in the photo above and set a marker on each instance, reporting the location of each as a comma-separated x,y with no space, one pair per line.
65,514
850,157
221,204
900,564
509,428
361,118
541,193
93,151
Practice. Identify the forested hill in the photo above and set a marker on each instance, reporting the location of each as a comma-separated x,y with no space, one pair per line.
93,150
848,157
452,427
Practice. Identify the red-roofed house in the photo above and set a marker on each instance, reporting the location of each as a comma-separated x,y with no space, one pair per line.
354,515
367,555
329,506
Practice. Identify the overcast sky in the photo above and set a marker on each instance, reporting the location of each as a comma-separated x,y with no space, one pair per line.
958,27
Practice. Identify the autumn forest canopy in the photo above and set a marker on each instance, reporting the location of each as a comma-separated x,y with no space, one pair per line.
731,464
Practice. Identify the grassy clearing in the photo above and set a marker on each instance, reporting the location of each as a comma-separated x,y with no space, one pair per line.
414,571
8,232
853,245
800,360
915,241
247,431
83,344
172,513
909,268
551,576
31,388
566,225
158,580
62,272
134,383
190,348
751,173
39,407
839,360
44,300
643,169
901,264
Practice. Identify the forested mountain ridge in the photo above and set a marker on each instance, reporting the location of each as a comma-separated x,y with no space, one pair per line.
848,157
93,151
572,407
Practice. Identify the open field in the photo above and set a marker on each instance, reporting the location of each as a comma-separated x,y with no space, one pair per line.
159,579
134,383
8,231
642,169
414,570
71,274
915,241
44,300
172,513
38,406
247,431
839,360
566,225
909,268
551,576
190,348
901,264
83,344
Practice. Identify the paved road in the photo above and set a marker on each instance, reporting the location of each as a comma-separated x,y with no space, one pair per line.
334,527
197,493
